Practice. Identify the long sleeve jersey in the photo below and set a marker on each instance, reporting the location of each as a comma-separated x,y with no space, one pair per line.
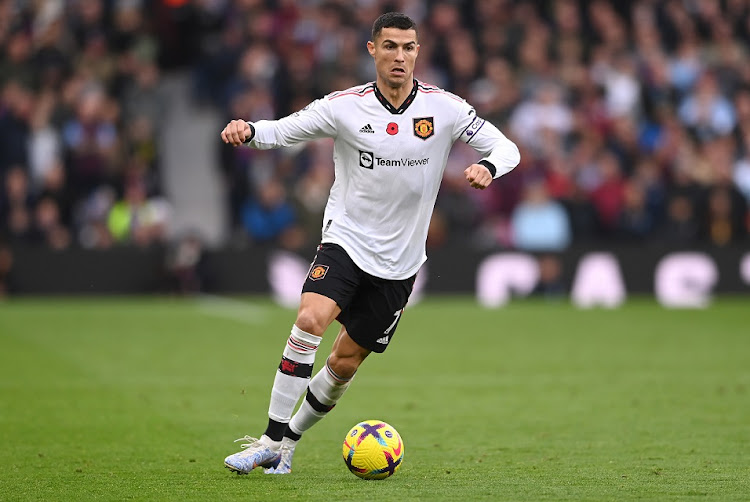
388,163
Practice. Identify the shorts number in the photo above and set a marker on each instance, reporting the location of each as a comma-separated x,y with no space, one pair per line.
397,316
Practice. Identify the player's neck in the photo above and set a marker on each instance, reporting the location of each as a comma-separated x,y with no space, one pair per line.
395,95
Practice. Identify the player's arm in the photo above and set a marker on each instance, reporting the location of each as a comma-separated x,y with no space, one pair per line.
313,122
500,155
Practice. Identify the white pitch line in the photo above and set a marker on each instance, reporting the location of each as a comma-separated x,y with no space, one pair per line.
229,308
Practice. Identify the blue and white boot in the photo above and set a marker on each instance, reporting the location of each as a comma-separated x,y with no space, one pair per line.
261,452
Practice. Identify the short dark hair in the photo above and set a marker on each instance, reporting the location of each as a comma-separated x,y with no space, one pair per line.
392,20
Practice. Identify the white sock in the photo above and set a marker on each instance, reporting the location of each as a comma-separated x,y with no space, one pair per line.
293,374
289,442
324,391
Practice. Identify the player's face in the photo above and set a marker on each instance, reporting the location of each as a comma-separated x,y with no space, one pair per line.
395,53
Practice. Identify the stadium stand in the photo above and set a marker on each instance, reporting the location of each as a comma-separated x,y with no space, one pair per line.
633,118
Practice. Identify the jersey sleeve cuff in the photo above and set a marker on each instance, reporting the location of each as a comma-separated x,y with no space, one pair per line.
252,133
489,165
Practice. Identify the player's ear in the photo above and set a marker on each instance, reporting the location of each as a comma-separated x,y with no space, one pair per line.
371,48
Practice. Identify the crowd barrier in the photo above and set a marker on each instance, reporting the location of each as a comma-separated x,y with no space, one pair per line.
602,276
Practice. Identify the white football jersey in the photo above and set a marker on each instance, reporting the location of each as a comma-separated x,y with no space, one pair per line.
389,163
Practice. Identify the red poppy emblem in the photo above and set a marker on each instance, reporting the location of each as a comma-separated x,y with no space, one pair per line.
392,129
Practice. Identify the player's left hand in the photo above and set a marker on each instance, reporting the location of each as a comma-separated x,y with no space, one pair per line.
478,176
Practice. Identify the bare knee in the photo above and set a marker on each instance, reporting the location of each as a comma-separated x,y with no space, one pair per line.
316,312
312,322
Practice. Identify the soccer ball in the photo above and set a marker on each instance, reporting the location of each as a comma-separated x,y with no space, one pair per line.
373,450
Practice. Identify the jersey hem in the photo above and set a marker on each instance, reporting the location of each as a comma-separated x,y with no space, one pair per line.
368,270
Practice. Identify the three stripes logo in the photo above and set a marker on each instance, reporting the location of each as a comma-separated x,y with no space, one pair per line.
367,129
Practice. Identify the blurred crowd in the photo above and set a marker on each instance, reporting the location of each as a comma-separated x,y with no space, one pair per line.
79,106
633,118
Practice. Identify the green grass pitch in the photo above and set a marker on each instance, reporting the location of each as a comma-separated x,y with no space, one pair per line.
140,399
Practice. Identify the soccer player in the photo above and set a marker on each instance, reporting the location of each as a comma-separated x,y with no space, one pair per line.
391,144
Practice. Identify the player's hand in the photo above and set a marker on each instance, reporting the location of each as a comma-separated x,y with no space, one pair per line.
236,132
478,176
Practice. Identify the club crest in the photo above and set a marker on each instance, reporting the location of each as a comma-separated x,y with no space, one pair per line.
318,272
424,127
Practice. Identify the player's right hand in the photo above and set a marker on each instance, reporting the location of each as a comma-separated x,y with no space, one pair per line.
236,132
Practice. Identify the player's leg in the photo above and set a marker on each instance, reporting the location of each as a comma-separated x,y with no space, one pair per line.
373,315
315,314
332,281
324,391
329,384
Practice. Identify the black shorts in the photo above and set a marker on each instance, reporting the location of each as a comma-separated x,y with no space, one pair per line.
370,306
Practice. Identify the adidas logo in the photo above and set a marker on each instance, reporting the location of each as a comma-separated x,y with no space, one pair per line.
369,130
383,339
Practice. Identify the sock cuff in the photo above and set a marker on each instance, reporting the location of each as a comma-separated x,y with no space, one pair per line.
302,341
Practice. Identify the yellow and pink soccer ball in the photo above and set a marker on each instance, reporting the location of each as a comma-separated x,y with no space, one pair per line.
373,450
